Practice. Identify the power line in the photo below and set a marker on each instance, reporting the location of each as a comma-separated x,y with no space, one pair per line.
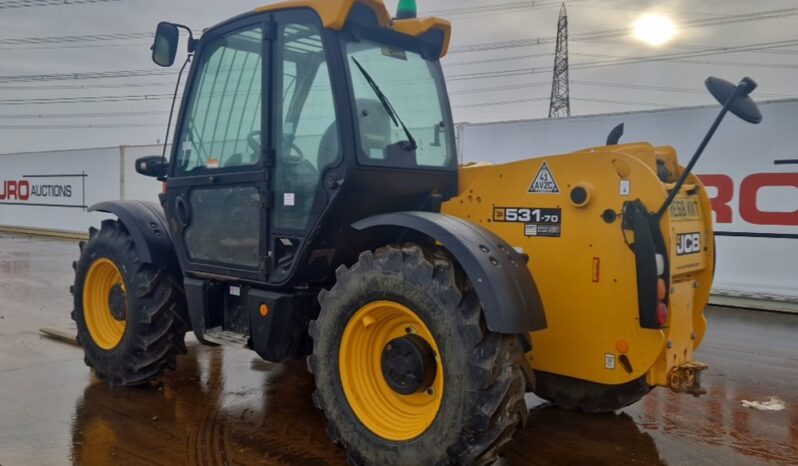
720,20
86,75
86,126
682,90
39,3
582,99
627,61
781,66
88,99
80,38
46,116
84,86
497,8
457,77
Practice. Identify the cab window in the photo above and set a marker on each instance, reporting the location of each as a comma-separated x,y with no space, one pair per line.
414,87
306,135
222,125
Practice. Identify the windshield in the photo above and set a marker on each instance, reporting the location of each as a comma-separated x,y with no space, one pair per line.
414,87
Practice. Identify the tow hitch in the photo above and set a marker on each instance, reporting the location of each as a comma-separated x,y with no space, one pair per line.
687,378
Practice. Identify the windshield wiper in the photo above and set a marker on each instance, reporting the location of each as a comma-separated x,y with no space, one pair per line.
411,146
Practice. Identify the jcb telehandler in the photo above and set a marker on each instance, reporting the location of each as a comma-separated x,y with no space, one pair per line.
313,207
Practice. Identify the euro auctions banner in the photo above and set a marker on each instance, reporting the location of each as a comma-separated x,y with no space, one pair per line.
52,190
45,190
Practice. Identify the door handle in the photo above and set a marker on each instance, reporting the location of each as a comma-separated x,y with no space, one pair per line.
183,210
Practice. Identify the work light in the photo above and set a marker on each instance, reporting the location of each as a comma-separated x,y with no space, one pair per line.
406,9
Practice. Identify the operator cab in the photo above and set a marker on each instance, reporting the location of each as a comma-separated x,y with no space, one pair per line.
288,117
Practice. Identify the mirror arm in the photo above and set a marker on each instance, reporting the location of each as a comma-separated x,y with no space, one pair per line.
689,168
192,42
742,89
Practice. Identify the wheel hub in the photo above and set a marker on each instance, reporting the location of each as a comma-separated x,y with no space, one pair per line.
408,364
116,302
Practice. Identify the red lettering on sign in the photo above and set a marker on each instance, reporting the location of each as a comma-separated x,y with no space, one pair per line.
11,190
749,190
23,190
720,203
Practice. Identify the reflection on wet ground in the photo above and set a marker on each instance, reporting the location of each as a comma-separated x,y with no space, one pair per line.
226,407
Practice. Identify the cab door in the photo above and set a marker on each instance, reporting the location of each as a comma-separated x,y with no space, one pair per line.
217,197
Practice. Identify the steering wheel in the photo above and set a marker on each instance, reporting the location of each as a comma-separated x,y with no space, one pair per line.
253,140
293,155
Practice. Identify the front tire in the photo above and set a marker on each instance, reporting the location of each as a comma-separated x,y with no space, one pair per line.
471,399
131,316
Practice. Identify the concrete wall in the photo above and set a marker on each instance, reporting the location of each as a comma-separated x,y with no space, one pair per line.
763,262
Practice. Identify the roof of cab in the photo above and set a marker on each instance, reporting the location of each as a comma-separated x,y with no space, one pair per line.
333,14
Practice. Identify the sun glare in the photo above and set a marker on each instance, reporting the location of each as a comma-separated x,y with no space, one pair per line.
654,29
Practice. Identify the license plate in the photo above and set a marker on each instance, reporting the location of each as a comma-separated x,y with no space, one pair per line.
685,209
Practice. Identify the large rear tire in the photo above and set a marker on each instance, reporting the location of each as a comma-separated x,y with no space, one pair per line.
471,398
130,316
588,397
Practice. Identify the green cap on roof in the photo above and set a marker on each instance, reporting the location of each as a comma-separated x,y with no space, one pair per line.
406,9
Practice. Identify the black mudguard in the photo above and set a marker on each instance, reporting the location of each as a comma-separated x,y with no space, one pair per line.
146,223
499,274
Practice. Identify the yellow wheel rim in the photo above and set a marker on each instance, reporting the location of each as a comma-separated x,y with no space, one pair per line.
104,328
383,411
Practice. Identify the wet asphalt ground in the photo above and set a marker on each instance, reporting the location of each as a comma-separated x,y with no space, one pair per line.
224,406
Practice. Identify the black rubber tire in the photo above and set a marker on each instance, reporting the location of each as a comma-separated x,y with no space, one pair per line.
483,403
156,312
588,397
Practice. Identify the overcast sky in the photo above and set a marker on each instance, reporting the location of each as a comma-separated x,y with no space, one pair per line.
499,67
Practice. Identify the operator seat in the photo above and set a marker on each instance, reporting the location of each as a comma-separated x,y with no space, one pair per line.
374,124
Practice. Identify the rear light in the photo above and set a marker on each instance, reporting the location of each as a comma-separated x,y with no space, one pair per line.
662,314
660,259
662,289
163,187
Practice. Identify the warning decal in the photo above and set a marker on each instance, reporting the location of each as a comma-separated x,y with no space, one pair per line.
544,181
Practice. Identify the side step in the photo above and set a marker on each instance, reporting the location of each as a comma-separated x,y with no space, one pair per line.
225,337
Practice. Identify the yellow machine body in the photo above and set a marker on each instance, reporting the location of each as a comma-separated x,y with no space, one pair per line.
582,261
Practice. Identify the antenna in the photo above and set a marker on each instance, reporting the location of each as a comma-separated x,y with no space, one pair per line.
560,105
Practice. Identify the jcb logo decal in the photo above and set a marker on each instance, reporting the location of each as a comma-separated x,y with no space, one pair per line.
688,243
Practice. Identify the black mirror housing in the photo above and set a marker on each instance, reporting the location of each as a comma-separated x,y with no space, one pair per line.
153,166
164,49
737,97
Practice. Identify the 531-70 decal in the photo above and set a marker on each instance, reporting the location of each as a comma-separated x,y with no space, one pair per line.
537,221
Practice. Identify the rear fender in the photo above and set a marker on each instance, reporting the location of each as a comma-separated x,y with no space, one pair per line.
510,299
146,223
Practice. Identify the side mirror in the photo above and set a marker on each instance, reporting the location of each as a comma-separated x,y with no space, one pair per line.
153,165
741,104
164,49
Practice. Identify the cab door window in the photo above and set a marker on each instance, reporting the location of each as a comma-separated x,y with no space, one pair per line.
306,135
222,125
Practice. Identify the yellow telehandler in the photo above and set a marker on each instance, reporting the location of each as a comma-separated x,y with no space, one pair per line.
313,207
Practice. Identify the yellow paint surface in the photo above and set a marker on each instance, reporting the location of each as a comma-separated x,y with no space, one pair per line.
587,275
333,14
